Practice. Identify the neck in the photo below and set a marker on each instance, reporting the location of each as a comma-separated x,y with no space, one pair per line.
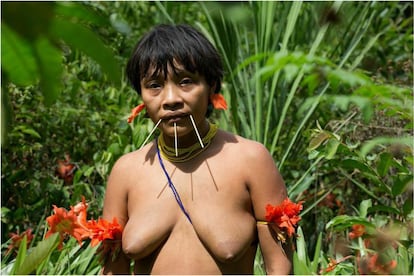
183,154
188,139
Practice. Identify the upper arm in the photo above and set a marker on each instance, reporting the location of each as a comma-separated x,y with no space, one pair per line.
116,194
266,186
116,205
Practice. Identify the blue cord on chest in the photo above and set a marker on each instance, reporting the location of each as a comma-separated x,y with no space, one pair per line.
171,185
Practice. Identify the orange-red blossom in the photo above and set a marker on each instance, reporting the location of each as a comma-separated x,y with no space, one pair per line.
285,216
357,231
17,238
75,224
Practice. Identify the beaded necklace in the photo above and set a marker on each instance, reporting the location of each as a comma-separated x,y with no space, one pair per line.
185,154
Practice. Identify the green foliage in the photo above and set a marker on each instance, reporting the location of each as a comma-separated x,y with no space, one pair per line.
32,36
326,87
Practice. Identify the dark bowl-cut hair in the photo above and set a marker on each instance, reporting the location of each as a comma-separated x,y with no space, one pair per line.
167,45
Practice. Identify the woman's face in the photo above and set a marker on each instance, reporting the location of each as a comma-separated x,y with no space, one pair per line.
174,99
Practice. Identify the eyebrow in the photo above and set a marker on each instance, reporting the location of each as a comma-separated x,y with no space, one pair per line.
178,72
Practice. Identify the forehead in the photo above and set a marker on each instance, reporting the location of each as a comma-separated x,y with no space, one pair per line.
164,70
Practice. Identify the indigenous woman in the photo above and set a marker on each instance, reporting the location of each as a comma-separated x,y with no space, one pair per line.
190,200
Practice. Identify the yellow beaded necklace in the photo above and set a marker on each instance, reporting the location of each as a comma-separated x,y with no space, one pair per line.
185,154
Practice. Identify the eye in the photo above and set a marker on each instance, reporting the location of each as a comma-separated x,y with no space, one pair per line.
153,85
186,81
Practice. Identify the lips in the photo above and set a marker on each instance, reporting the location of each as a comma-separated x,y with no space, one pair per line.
174,116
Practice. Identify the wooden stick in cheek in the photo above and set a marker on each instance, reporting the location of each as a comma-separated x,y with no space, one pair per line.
149,135
175,139
196,131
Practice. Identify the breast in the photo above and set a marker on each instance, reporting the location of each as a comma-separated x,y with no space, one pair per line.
227,237
147,229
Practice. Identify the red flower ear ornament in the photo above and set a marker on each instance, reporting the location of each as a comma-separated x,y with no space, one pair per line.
217,100
135,112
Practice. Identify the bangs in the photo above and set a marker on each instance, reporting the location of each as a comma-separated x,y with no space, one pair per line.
174,48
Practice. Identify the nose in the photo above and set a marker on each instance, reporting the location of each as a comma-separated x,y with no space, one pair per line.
172,97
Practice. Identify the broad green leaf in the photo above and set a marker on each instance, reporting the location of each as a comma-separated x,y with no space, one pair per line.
355,164
344,221
382,141
301,246
384,163
318,139
50,68
315,262
21,255
17,58
83,39
299,267
331,148
38,254
383,208
28,130
363,207
401,183
29,19
351,78
75,11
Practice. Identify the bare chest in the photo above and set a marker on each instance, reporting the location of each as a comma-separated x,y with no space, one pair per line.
213,195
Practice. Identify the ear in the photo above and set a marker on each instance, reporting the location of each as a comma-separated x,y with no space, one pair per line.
213,88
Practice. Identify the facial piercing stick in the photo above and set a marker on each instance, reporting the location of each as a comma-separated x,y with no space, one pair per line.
196,130
175,139
149,135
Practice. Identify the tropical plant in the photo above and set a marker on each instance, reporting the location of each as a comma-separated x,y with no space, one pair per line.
325,86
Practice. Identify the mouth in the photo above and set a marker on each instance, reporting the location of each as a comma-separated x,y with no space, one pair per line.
174,117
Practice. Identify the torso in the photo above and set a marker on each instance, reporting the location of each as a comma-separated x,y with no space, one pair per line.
222,238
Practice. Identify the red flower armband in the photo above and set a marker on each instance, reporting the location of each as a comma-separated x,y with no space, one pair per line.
285,216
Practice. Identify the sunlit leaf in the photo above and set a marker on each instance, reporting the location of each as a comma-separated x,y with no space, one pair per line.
38,254
21,255
331,148
120,24
344,221
351,78
381,141
364,206
318,139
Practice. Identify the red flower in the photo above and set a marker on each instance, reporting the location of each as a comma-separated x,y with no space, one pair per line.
218,101
285,215
135,111
333,263
17,238
65,169
74,222
103,229
371,264
65,222
357,231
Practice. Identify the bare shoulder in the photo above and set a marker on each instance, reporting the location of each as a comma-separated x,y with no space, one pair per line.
259,169
129,166
246,149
